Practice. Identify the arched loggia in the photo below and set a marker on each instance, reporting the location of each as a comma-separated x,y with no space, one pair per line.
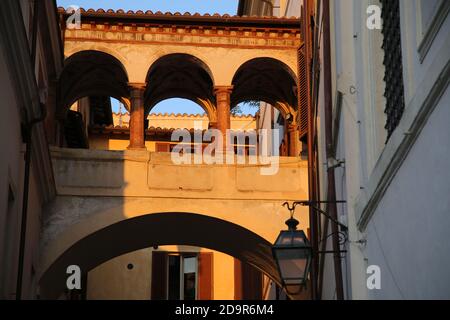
271,83
92,73
90,78
265,79
159,229
180,76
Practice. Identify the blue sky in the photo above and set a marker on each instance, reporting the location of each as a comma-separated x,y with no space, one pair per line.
201,6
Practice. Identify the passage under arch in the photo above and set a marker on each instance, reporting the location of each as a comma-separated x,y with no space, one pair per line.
159,229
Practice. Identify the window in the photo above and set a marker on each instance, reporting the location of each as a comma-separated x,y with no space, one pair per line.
392,46
182,277
248,282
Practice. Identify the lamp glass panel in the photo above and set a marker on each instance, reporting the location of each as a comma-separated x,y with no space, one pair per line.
291,238
292,263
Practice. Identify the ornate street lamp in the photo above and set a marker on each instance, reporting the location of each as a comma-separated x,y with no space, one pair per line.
293,252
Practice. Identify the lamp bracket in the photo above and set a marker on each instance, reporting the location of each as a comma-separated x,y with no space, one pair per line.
333,163
290,208
313,204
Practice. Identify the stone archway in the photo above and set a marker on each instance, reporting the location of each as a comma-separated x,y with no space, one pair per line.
158,229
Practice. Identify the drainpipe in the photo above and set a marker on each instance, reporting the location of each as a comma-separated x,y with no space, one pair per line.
332,208
34,30
27,136
27,130
306,28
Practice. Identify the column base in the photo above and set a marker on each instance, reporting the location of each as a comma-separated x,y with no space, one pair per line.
137,148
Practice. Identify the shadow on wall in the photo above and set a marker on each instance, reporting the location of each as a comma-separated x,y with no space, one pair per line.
159,229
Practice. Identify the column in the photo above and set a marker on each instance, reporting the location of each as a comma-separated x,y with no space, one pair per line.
223,94
137,130
294,140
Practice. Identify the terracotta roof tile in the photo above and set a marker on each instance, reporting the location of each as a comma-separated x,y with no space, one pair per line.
124,129
187,14
179,115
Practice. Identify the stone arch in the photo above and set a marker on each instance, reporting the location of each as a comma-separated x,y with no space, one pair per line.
143,231
124,60
235,60
91,72
266,79
180,75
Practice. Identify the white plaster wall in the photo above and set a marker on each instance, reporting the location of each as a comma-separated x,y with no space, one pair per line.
415,71
408,234
345,52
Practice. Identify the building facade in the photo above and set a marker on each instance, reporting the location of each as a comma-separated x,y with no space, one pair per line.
103,194
167,272
81,185
31,58
387,94
391,86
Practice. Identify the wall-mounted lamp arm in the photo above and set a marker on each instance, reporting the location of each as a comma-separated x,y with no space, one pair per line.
313,204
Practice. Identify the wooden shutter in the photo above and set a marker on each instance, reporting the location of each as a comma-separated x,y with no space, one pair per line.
303,96
159,275
162,147
237,280
205,276
248,282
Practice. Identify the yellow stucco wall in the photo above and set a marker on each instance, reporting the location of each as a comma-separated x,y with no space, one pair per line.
113,187
105,143
113,280
138,59
166,121
190,121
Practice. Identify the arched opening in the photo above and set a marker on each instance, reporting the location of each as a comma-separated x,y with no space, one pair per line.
269,86
90,82
105,121
159,229
179,96
92,73
180,76
264,79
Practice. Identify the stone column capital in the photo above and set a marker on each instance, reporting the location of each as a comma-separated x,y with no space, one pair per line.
223,89
136,87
